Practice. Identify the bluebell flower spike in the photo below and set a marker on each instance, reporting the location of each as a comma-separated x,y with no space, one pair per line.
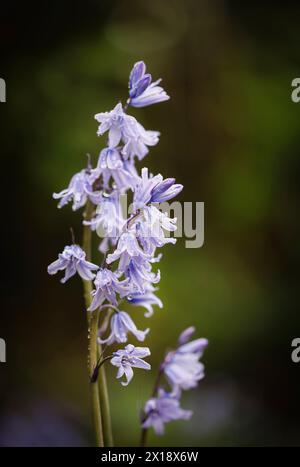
131,246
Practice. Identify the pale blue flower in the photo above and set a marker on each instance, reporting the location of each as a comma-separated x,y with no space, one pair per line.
152,229
121,325
113,122
163,409
144,187
109,219
107,286
138,79
140,275
80,189
146,300
110,159
141,91
165,191
125,128
113,166
128,248
128,358
137,140
72,260
154,189
186,335
182,367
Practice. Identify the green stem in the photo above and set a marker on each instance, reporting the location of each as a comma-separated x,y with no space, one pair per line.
106,418
93,359
92,319
100,400
144,434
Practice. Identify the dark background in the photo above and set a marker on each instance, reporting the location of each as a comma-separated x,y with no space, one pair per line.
231,135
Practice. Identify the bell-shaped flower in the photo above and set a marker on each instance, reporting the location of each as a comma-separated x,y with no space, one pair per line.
152,229
182,367
127,248
163,409
154,189
137,140
113,122
165,191
109,220
125,128
128,358
80,189
140,275
146,300
143,189
186,335
72,260
121,325
107,286
113,166
141,91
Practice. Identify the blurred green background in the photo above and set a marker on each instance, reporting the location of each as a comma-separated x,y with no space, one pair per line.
230,135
